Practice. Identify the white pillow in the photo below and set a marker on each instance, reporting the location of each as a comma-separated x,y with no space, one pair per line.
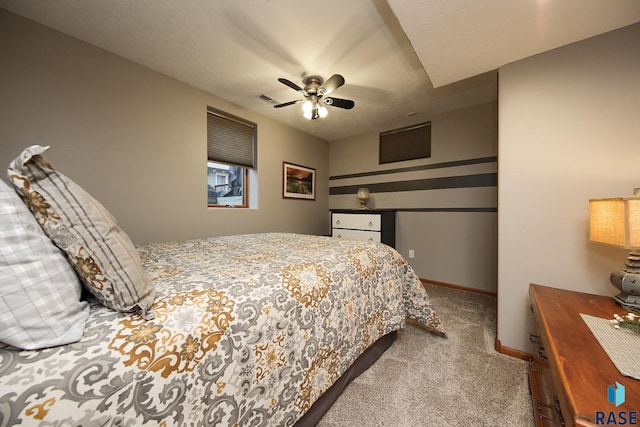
39,291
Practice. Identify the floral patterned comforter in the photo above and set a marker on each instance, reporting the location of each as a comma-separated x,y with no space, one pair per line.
248,330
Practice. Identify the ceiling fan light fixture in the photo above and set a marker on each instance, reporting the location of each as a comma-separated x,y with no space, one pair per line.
307,107
307,115
322,111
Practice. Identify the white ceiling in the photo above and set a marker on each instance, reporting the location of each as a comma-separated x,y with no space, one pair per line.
238,49
457,39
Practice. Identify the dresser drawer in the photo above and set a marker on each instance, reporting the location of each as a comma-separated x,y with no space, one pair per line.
370,222
345,233
544,396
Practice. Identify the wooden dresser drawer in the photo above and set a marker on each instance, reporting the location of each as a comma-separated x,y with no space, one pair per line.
544,396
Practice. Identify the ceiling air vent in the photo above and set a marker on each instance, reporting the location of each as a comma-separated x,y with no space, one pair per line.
265,98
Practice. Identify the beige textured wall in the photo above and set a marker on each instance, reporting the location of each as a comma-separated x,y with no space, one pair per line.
569,132
459,248
136,139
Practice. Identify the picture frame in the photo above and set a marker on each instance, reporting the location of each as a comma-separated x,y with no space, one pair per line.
298,182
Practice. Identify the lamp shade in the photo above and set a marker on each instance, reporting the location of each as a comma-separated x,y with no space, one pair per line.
363,193
615,221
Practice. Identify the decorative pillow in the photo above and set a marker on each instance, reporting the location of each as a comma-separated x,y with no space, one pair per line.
39,292
99,250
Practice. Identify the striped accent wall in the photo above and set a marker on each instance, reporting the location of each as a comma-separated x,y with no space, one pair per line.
446,205
467,185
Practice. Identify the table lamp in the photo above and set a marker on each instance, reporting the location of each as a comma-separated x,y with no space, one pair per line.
616,222
363,196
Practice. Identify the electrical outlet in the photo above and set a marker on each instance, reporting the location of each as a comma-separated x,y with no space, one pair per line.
411,253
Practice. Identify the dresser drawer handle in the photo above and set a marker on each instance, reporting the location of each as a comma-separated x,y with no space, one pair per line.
539,403
543,416
541,353
556,403
370,223
535,339
338,222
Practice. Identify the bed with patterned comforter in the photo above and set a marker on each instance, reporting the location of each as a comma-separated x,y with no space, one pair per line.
248,330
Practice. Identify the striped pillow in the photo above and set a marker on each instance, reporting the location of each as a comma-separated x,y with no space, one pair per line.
101,253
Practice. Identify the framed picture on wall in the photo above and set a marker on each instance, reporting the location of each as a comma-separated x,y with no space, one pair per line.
298,182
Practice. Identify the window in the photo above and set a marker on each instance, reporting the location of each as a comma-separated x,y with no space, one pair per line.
413,142
231,153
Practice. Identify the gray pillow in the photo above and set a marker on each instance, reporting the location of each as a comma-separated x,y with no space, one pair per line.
39,291
102,254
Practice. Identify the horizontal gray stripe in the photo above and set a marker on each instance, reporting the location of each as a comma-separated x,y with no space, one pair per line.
419,168
416,210
446,210
465,181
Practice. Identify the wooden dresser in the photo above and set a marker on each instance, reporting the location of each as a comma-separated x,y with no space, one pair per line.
571,373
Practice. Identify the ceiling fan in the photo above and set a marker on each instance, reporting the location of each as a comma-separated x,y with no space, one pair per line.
315,95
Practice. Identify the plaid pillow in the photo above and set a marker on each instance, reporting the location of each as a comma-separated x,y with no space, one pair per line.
39,292
99,250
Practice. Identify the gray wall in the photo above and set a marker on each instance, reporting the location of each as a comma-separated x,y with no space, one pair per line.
447,203
569,132
136,139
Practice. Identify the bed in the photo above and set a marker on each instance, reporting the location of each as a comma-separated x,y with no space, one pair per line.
244,330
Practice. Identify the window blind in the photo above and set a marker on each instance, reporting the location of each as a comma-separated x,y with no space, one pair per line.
230,139
413,142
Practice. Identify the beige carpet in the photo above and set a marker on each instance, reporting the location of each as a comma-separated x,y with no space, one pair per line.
426,380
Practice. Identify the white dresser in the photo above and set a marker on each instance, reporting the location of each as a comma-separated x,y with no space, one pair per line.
374,225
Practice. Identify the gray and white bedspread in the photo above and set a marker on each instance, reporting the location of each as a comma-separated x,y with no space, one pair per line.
249,330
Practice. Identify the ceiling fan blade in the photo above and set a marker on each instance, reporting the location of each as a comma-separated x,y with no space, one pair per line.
333,83
284,104
347,104
291,84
